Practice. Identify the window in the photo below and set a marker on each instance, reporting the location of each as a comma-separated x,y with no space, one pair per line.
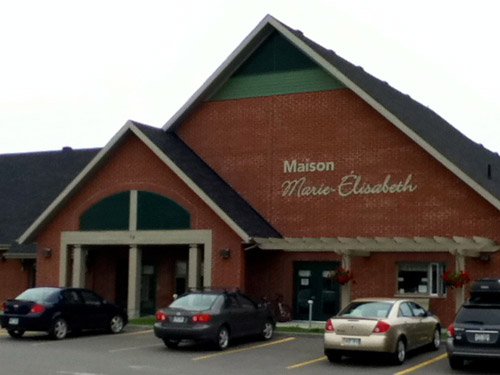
417,310
71,296
246,303
420,278
405,311
90,298
367,310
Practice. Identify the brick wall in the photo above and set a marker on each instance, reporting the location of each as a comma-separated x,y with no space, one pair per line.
15,278
247,141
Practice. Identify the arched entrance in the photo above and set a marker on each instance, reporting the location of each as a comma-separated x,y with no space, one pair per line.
144,225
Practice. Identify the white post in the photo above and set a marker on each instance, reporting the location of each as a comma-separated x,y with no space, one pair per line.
134,282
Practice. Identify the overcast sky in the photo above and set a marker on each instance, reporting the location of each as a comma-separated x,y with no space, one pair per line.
73,72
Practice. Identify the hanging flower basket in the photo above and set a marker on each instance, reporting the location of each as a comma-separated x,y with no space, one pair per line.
341,275
455,279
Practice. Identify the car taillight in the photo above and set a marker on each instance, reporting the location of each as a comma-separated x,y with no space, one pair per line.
381,327
161,316
37,309
4,306
329,326
201,318
451,330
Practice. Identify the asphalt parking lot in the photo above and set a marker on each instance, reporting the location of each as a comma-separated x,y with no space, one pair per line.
137,351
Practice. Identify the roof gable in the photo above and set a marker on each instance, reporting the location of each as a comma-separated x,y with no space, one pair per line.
476,166
276,67
217,194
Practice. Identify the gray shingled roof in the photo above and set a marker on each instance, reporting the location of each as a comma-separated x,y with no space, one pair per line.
30,182
210,182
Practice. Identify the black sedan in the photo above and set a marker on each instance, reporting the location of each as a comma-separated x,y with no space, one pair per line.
214,316
58,311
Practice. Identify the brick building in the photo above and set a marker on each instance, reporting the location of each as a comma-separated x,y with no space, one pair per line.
288,163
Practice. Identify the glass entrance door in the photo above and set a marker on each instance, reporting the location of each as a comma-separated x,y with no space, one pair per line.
148,290
312,283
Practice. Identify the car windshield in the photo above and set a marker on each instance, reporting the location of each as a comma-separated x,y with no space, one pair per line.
39,295
367,310
479,315
195,301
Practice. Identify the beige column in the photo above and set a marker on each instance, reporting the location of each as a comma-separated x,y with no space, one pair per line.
63,264
194,266
459,292
134,281
345,290
78,277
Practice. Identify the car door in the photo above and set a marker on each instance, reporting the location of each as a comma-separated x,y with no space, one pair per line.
252,323
72,309
409,323
95,316
235,315
424,324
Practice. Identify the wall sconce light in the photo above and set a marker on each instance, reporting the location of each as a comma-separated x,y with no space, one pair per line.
225,253
47,252
484,257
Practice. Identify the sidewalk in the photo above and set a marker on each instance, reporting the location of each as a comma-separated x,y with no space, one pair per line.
303,324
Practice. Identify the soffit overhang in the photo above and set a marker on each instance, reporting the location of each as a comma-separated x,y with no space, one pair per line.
364,246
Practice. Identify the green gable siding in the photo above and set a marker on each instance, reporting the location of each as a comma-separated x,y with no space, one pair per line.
111,213
277,83
155,211
277,67
276,54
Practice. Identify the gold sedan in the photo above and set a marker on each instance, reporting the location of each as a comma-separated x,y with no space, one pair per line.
393,326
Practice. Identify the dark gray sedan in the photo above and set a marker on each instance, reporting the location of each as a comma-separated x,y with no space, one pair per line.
214,316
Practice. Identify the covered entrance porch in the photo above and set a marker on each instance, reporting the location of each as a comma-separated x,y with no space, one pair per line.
76,244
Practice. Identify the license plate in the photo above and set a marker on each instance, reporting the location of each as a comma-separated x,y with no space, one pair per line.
13,321
482,337
178,319
351,341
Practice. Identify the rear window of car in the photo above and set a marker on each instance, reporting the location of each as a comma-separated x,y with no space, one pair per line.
367,310
39,295
480,315
195,302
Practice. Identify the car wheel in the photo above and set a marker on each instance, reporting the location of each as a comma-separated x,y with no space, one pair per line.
59,329
267,331
171,344
16,333
399,356
116,324
222,339
334,357
436,340
456,363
